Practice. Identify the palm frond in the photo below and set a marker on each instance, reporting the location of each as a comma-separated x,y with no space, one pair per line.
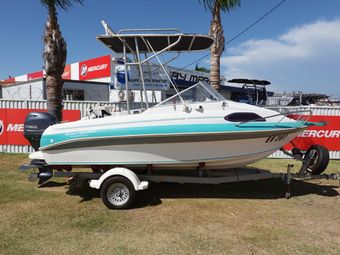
63,4
208,4
226,5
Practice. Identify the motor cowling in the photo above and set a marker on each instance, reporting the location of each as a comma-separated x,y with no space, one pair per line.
35,125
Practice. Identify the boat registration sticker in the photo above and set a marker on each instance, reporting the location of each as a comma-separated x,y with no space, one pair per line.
276,138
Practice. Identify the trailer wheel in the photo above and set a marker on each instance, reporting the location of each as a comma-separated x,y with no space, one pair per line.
118,193
320,159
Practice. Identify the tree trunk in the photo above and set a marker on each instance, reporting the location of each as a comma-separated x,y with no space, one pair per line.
54,96
55,59
216,31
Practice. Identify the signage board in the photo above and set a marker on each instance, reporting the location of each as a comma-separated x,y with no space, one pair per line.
187,78
7,81
67,73
154,77
12,124
95,68
328,135
35,75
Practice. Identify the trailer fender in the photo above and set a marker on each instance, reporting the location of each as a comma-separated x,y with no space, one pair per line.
120,171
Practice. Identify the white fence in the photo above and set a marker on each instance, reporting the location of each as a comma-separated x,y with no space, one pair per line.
316,110
84,105
68,105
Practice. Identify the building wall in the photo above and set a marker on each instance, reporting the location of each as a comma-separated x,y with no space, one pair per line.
92,91
36,90
31,90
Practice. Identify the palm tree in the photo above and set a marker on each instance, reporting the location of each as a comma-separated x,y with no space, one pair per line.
55,55
216,31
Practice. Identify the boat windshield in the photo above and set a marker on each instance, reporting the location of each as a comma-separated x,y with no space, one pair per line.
200,92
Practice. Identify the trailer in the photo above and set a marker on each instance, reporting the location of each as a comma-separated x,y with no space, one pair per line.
118,185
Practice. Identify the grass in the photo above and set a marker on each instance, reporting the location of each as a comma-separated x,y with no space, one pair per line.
237,218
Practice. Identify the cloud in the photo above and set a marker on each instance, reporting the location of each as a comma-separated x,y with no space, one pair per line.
305,58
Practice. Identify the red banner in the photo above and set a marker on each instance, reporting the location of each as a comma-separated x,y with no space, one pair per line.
95,68
328,135
12,124
8,81
35,75
67,73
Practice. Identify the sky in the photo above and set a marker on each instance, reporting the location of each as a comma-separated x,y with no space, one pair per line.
297,47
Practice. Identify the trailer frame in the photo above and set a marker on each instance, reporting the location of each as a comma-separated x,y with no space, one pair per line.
200,176
119,184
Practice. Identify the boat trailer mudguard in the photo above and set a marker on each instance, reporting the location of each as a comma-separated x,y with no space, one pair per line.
120,171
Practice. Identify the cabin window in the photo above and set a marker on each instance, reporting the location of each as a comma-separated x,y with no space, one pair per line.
243,116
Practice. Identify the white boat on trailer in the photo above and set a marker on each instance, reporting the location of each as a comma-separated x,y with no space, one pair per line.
172,135
195,129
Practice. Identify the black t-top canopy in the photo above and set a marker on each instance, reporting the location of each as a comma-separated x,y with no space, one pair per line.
158,42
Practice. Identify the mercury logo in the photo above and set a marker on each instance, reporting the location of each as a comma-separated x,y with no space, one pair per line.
321,133
1,127
83,70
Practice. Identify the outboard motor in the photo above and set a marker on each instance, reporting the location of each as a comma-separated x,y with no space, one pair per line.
35,125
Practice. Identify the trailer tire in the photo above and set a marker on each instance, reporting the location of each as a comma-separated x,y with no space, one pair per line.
117,193
321,159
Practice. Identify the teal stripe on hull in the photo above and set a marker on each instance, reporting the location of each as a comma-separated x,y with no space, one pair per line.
163,162
48,140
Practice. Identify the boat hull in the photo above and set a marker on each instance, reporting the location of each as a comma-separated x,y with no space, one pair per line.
217,151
